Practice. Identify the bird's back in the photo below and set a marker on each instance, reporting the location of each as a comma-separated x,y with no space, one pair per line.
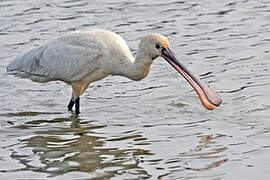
72,57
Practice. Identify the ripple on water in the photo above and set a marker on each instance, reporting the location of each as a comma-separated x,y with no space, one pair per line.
152,129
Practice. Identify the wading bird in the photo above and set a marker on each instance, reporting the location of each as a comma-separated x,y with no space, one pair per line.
82,57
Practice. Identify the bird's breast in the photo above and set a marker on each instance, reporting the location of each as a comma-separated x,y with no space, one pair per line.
95,75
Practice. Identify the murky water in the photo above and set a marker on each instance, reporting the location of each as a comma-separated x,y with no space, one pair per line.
152,129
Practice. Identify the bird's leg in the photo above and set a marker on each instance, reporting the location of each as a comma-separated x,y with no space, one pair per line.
77,106
70,104
77,90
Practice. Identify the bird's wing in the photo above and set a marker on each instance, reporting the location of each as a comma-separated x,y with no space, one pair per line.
68,58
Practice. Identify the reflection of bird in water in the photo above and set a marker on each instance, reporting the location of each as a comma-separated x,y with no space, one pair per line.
77,148
82,57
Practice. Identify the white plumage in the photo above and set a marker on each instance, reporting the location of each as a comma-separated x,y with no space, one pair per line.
82,57
73,57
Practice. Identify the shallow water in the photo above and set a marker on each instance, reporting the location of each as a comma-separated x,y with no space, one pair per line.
152,129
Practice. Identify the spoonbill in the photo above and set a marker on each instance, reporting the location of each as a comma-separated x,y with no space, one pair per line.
82,57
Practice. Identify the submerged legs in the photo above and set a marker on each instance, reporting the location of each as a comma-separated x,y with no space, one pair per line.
78,89
70,105
77,105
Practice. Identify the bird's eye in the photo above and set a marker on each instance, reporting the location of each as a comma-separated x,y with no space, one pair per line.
157,46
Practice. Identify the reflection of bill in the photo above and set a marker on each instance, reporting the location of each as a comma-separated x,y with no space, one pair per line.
209,151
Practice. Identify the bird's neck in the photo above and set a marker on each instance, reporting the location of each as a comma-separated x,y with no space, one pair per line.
140,68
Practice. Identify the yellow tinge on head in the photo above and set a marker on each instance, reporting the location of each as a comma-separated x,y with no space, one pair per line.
158,38
163,41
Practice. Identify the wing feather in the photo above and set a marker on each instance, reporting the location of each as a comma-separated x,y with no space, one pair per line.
67,58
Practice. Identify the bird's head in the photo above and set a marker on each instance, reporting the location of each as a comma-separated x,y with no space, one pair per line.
152,45
155,45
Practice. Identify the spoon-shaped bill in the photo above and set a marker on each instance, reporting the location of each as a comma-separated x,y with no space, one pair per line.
208,97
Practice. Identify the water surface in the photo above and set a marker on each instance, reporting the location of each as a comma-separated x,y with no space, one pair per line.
152,129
